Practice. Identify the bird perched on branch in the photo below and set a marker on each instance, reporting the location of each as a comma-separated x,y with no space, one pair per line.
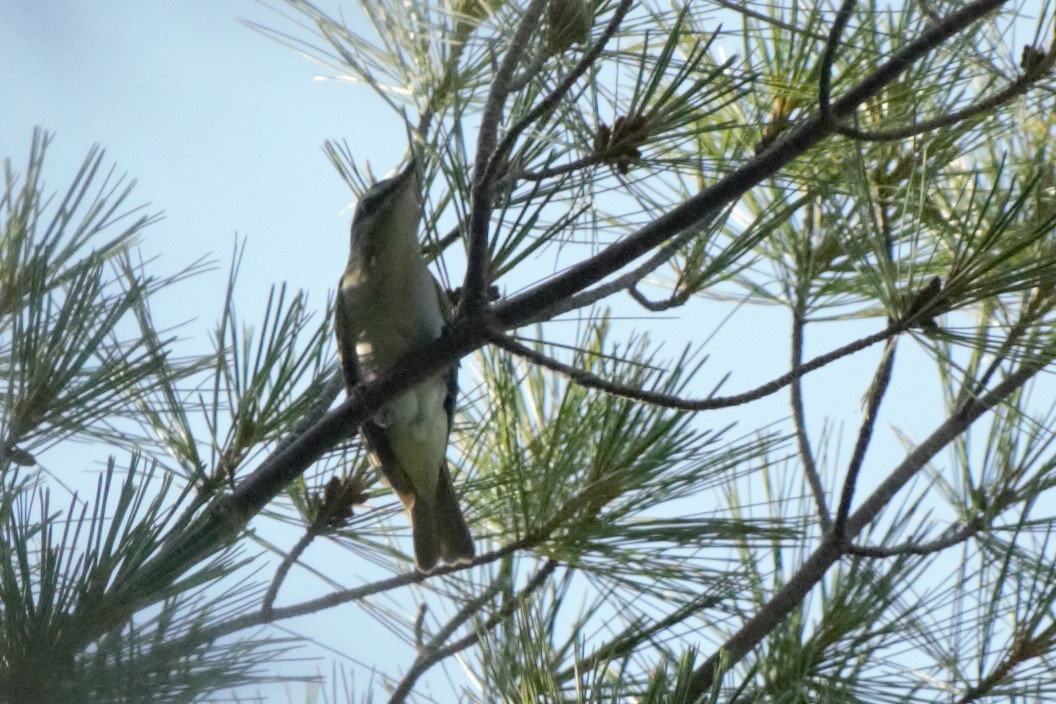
388,304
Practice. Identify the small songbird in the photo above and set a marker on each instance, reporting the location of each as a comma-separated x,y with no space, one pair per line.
388,304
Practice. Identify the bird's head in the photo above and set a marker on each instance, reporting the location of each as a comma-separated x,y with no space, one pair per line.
389,210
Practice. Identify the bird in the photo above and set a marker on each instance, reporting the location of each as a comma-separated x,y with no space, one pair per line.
388,305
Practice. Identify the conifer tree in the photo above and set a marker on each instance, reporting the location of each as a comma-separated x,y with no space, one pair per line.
839,490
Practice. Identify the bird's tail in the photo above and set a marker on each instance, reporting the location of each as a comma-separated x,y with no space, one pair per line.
440,530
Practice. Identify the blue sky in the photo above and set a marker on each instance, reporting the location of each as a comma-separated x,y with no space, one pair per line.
221,127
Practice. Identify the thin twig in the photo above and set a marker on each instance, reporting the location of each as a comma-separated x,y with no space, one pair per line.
1024,648
570,167
624,644
284,568
1035,304
432,250
830,550
465,613
629,280
258,618
1014,90
474,288
799,420
589,380
489,162
877,391
547,104
532,540
827,57
673,301
952,538
427,659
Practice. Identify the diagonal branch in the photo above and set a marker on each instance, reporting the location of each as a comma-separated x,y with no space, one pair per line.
547,104
799,420
268,603
489,161
431,657
593,381
531,540
983,106
952,537
474,287
877,391
828,56
830,550
627,281
536,302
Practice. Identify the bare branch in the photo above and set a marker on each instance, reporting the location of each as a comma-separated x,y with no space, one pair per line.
987,105
673,301
953,537
475,285
489,163
830,550
1017,88
547,104
466,612
585,378
428,659
570,167
284,569
828,56
1023,649
629,280
806,453
877,391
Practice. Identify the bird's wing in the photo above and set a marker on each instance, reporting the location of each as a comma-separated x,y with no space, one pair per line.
346,349
377,443
452,374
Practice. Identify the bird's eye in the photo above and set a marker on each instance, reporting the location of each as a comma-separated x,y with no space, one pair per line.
373,198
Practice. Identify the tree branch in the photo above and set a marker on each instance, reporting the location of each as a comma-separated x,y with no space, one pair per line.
550,102
799,420
593,381
284,568
986,105
830,550
474,288
428,659
531,540
828,56
952,538
877,392
536,303
627,281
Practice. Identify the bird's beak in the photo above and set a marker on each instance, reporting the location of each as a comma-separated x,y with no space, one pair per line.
408,175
